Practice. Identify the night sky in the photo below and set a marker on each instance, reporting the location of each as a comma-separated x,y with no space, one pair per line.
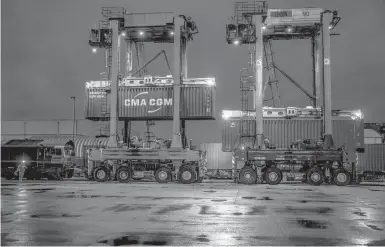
46,58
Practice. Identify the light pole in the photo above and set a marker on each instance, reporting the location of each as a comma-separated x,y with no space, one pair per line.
73,123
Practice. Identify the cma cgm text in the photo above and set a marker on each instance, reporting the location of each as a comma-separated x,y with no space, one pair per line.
150,102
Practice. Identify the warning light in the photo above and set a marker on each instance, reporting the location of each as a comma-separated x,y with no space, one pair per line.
141,33
123,33
263,27
94,50
171,33
236,42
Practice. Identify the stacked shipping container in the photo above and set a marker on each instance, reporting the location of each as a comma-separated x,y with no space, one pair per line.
153,102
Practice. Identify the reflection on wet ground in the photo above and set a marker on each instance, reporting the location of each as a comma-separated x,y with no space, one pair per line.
89,213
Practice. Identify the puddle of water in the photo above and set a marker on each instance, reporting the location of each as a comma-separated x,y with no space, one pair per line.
359,213
377,243
375,227
204,210
210,191
218,200
238,237
237,213
157,239
80,196
265,198
173,208
256,210
52,216
312,224
44,189
120,241
124,208
320,210
156,242
249,198
203,238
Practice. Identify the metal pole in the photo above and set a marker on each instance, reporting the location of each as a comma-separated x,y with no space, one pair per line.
258,81
314,74
326,76
176,137
73,121
113,140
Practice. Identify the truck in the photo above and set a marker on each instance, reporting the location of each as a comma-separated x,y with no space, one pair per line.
44,159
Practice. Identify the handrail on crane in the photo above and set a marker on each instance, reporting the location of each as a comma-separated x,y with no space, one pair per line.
147,63
294,82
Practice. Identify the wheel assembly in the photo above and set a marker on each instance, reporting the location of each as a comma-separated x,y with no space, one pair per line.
187,175
101,174
247,175
341,177
163,175
124,174
315,176
273,176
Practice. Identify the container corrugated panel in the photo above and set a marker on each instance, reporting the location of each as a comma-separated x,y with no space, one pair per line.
154,103
81,143
216,158
373,159
282,132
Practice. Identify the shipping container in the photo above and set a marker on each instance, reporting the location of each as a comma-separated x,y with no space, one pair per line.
197,102
373,159
219,163
282,132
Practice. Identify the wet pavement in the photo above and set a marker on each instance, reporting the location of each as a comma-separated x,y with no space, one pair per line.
215,214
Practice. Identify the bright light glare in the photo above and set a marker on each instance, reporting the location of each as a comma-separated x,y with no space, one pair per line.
226,114
236,42
123,33
141,33
263,27
23,161
358,114
171,33
210,82
330,26
94,50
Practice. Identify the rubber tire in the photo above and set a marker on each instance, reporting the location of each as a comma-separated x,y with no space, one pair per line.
169,175
343,183
126,170
188,169
315,170
273,170
106,171
243,172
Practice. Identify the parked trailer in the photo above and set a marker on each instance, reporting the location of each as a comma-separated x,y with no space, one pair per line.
44,159
219,163
290,152
371,164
